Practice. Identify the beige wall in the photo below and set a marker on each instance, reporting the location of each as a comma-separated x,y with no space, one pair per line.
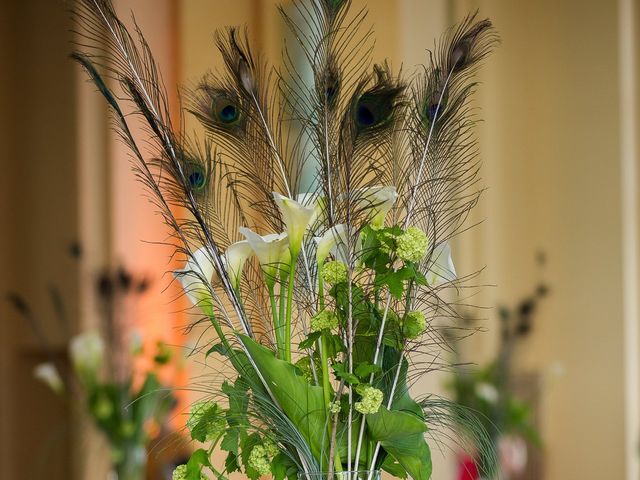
38,220
551,144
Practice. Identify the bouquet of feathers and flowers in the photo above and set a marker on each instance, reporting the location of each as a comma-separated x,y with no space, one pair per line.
317,299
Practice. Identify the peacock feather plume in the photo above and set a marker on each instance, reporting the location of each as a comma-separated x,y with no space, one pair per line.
314,218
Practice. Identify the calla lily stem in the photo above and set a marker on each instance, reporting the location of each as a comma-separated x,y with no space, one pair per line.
290,285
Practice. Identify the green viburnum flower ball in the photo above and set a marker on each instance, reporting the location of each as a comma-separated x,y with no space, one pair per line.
334,272
334,407
259,461
270,448
414,324
214,424
324,319
412,245
180,473
370,401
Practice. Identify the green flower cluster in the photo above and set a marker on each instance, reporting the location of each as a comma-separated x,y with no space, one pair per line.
334,272
180,473
412,245
324,319
206,420
414,324
262,455
334,407
370,401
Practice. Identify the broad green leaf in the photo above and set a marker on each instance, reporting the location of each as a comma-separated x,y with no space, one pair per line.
402,436
390,465
302,403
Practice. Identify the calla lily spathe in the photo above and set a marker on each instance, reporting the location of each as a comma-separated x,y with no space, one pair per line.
441,268
236,256
48,374
87,352
297,217
379,199
198,270
329,241
271,250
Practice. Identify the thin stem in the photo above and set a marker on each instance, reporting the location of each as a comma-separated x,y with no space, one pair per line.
326,387
276,318
283,299
287,331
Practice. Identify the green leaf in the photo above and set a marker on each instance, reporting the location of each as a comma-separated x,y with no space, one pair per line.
231,463
390,465
394,281
310,341
230,440
238,401
401,434
342,374
301,402
198,459
365,369
246,445
283,467
218,348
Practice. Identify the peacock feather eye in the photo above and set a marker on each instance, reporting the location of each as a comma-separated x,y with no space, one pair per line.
225,110
229,113
365,115
374,109
196,176
431,107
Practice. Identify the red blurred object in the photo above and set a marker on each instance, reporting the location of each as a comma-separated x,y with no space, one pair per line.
467,469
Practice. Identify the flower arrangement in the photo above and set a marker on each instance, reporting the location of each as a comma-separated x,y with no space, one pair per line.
317,298
128,405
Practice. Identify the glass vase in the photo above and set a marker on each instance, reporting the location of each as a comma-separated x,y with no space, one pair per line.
344,475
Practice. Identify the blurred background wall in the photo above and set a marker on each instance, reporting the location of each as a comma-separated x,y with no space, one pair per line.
558,145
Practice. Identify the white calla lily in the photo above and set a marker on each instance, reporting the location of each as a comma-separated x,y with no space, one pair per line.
441,268
48,374
236,256
198,270
379,199
271,251
297,217
87,352
328,243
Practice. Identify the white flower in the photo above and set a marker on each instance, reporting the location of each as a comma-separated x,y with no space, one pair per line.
87,351
441,268
236,255
48,373
196,278
487,392
379,200
329,241
271,251
297,217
